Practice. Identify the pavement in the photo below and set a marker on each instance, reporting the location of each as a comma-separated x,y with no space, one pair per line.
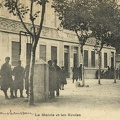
96,102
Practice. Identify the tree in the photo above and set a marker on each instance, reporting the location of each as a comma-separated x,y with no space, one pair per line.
104,23
18,8
75,15
115,42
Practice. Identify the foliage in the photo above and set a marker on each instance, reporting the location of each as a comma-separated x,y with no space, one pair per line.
105,23
75,16
100,16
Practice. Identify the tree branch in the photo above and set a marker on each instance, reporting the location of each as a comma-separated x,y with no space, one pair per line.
42,17
101,46
77,34
22,19
81,45
31,17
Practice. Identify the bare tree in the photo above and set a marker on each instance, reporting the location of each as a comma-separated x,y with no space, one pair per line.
18,8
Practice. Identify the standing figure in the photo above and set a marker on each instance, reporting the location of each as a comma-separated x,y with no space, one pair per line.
63,80
80,72
57,77
112,72
117,73
75,73
27,79
108,72
52,79
6,75
18,72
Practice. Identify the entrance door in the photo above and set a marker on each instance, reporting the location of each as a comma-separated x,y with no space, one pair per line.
75,57
112,59
75,60
66,63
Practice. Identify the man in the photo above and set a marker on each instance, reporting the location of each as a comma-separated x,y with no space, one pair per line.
75,73
80,72
6,75
58,70
18,72
52,79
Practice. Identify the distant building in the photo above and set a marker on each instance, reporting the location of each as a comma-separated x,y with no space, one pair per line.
54,44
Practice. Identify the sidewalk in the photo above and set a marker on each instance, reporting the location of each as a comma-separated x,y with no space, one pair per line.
96,102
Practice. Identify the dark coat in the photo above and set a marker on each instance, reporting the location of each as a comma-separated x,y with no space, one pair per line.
6,76
18,72
80,72
63,77
58,70
75,73
52,78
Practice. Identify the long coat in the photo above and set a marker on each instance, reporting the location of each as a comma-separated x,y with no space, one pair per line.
18,72
80,72
63,77
6,76
75,73
52,78
58,73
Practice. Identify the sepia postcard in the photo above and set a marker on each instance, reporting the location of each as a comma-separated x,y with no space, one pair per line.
59,59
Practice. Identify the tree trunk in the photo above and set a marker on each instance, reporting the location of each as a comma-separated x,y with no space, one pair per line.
99,67
83,80
31,71
81,52
115,70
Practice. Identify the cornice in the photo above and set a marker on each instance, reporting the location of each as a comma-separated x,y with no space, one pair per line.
15,26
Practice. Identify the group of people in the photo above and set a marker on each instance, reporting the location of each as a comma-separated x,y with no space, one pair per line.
77,73
108,74
57,78
14,79
7,81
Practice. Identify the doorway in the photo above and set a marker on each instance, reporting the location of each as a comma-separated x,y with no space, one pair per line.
112,59
66,60
75,61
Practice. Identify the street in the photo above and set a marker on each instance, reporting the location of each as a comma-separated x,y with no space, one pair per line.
96,102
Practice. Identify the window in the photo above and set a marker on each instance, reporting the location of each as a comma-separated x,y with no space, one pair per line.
66,59
53,52
75,61
105,60
15,53
85,58
42,51
92,58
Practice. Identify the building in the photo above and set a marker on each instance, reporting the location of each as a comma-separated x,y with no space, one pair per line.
54,44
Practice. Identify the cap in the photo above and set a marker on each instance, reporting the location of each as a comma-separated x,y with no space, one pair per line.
7,58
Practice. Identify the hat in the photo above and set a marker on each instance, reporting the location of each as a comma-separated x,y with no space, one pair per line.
7,58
